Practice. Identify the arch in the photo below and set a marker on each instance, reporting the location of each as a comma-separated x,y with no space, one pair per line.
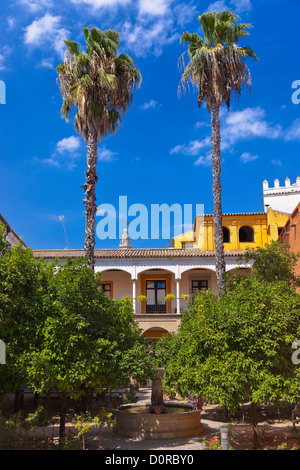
198,268
112,269
155,332
205,277
154,269
243,271
226,235
246,234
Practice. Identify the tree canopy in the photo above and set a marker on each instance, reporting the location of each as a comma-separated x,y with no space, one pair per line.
238,347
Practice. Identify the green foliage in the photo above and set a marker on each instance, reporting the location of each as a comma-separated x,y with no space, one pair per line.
169,297
24,303
39,418
238,347
3,243
130,397
212,444
88,339
70,441
97,81
274,263
216,61
11,434
62,332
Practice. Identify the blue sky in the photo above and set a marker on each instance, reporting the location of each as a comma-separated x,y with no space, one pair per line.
161,153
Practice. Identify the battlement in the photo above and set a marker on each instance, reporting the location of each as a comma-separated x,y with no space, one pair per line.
286,188
281,198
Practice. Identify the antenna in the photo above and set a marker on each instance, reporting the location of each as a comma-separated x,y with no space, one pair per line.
62,219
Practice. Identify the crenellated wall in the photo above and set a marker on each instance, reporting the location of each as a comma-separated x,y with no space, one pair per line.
281,198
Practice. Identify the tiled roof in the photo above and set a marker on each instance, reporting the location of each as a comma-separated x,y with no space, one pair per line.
233,214
4,221
132,253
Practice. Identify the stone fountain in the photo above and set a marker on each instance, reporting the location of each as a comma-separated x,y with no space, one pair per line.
158,420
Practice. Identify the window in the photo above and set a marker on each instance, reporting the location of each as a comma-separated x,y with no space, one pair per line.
246,235
187,245
156,296
226,235
199,285
107,289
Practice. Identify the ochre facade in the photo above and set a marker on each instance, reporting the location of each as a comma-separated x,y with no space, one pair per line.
242,231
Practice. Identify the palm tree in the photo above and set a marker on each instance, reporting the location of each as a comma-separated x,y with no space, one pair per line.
100,84
217,69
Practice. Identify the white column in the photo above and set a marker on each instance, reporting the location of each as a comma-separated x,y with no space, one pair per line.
178,296
134,294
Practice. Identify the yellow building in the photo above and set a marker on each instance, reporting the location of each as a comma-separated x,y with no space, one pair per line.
240,231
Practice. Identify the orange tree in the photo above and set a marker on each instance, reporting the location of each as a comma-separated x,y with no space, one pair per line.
24,303
237,347
88,341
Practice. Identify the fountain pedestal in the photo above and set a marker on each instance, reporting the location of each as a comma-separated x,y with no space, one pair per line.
159,420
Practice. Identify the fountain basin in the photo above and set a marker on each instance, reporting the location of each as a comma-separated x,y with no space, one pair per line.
178,421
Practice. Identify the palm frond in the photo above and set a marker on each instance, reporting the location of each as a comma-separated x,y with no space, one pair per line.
73,47
216,63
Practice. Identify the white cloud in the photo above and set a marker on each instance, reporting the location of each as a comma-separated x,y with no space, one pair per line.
293,133
145,36
185,13
47,161
201,124
241,5
238,6
192,148
236,126
36,5
248,157
11,22
5,52
218,6
47,63
277,162
96,4
68,144
153,7
204,160
106,155
248,124
152,104
46,32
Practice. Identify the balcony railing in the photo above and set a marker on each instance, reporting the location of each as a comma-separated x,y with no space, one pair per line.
168,307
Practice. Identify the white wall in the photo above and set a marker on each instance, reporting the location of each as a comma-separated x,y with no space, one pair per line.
281,198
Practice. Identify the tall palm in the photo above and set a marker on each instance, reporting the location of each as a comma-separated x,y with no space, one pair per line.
217,69
99,83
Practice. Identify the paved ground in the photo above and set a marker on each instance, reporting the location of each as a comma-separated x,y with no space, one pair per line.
112,441
274,432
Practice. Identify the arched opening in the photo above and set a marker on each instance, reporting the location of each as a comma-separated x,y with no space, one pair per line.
157,291
226,235
246,234
152,336
193,280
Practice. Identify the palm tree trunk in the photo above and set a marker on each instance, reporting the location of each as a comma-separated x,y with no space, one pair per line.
217,196
90,198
